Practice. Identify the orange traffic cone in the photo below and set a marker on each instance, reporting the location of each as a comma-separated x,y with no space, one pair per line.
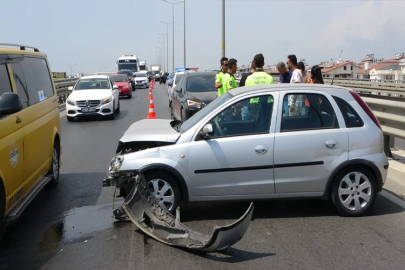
151,114
150,95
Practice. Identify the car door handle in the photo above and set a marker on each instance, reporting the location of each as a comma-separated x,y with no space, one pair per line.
18,120
261,149
331,144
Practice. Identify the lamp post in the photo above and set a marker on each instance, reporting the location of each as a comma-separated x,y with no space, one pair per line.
71,68
173,4
167,33
223,28
167,49
163,52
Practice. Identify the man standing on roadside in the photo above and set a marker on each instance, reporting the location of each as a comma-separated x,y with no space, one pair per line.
220,75
228,79
246,75
259,77
296,73
295,101
285,75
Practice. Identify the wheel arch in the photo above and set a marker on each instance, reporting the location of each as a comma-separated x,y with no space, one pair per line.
173,172
350,163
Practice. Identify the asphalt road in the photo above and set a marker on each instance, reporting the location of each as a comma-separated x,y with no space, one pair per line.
72,227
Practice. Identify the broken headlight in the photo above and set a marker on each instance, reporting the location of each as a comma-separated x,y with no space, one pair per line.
116,163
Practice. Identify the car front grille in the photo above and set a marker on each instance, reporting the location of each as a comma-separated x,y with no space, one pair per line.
88,103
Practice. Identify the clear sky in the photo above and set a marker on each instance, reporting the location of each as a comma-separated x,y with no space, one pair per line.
95,33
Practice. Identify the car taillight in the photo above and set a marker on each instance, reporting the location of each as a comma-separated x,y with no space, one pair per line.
365,107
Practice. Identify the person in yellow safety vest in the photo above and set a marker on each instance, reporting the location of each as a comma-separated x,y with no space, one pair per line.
220,75
259,77
228,79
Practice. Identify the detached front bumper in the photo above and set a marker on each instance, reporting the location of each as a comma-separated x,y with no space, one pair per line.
142,208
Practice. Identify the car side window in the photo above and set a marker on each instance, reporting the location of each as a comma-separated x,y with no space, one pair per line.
247,117
5,85
32,85
352,119
307,111
43,77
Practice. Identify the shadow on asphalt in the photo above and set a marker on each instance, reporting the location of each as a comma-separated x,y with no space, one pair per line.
232,255
291,208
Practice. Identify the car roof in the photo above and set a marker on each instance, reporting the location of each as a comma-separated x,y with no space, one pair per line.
330,89
192,74
112,75
95,77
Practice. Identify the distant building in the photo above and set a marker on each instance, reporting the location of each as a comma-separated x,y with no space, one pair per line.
380,69
340,69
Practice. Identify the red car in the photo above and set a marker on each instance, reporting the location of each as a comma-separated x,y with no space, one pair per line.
123,83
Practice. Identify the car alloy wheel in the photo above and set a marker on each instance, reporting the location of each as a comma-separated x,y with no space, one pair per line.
354,191
163,192
54,172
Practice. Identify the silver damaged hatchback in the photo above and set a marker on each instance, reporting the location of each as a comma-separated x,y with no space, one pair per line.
260,142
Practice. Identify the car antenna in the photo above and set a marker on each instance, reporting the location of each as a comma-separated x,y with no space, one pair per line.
336,68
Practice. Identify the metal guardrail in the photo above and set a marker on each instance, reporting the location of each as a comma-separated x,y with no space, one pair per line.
61,87
372,88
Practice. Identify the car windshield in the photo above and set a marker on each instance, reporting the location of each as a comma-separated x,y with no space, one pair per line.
149,72
189,123
126,72
89,84
178,78
139,74
201,83
122,78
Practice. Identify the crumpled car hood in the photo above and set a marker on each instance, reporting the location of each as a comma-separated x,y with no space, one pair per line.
143,210
151,130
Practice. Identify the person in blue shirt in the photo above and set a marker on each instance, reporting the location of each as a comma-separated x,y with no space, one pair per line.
285,77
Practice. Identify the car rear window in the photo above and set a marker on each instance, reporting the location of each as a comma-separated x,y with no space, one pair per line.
352,119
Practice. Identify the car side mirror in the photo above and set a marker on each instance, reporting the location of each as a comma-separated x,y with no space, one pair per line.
10,103
207,131
70,88
115,86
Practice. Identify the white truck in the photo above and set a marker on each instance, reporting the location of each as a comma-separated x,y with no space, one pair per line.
128,61
142,65
155,68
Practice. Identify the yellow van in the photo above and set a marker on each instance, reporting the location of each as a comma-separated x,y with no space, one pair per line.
30,140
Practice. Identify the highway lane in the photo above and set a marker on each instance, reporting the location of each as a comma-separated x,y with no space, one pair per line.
72,228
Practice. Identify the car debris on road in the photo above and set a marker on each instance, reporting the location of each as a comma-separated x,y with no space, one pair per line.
144,211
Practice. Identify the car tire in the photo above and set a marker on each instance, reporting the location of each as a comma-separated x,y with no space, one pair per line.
118,110
54,171
183,115
170,103
70,119
130,96
163,178
354,191
112,116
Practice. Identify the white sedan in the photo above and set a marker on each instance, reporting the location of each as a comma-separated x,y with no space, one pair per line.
93,96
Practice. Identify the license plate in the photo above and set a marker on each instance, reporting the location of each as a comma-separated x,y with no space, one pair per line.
88,109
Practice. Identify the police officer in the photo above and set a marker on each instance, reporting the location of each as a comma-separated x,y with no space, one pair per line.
228,79
220,75
259,77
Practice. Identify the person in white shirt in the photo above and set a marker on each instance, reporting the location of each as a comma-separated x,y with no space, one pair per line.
295,102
